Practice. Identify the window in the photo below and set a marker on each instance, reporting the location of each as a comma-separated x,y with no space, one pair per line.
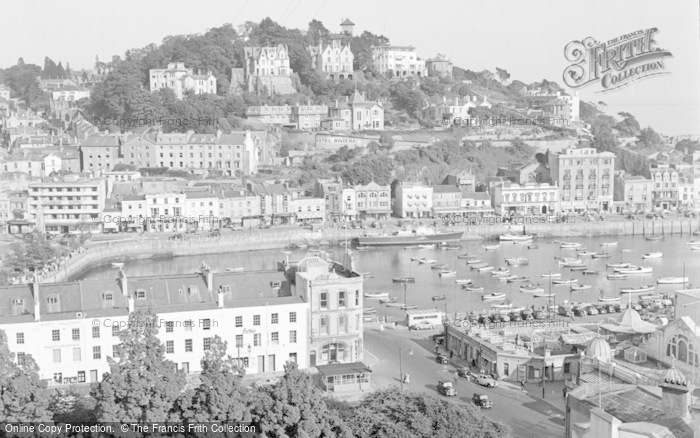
239,341
170,347
324,325
256,319
292,316
115,330
96,332
76,354
188,345
357,298
324,300
57,355
239,321
207,344
342,324
55,335
206,324
292,336
76,334
256,340
341,298
20,338
169,325
188,325
275,338
97,352
21,359
81,376
115,351
140,294
275,318
293,357
567,367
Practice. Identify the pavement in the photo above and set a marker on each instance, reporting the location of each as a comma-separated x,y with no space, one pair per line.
393,352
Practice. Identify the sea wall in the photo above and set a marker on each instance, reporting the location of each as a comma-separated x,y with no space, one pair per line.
254,241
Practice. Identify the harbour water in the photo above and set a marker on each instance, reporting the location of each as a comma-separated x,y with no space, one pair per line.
388,262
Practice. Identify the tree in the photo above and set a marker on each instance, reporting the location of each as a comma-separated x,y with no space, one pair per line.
142,385
503,75
33,254
72,407
23,396
387,140
649,138
688,146
220,397
343,154
317,32
373,147
295,407
361,47
392,413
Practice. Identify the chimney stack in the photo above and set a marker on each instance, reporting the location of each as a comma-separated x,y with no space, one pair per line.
124,282
221,300
37,299
676,395
131,305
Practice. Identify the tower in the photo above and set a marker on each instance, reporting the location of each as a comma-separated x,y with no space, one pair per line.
347,26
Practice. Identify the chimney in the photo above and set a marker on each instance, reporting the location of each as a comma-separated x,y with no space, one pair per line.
123,282
221,300
131,305
676,395
444,99
336,103
347,99
456,100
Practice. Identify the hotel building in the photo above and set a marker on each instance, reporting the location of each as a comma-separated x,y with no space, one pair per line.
585,179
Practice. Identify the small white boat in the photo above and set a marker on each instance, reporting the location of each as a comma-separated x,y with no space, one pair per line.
409,307
388,300
653,255
427,261
518,280
636,290
619,265
616,276
544,294
426,246
504,306
473,261
448,273
565,281
466,256
636,270
479,265
570,261
117,265
608,244
672,280
574,265
485,268
531,288
395,304
367,274
507,278
240,269
609,300
517,261
513,237
286,252
552,275
601,255
578,268
463,281
415,259
522,242
533,247
439,267
570,245
500,271
451,248
590,272
695,248
491,247
693,243
493,297
473,288
376,295
585,253
580,287
369,310
438,298
654,238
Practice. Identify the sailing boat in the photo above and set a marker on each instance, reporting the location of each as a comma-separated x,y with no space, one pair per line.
604,299
405,305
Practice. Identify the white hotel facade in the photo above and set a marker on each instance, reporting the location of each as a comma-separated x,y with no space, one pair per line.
70,329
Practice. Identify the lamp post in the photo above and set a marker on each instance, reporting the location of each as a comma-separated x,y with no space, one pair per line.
410,353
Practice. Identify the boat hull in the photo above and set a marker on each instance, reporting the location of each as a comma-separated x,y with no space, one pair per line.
409,240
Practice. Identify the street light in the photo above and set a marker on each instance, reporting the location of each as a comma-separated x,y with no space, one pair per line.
410,353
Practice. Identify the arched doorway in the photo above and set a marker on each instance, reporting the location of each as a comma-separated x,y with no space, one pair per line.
312,358
544,209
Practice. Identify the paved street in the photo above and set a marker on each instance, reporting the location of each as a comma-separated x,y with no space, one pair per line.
528,416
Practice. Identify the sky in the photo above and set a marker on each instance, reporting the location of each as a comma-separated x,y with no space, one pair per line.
527,38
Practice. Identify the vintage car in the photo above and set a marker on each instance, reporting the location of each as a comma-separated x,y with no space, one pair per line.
441,358
485,380
482,401
439,339
463,372
446,388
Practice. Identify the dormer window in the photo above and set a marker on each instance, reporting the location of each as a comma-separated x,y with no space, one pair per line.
54,303
226,289
275,284
193,290
140,294
108,297
18,302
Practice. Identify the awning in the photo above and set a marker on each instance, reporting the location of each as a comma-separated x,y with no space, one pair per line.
341,369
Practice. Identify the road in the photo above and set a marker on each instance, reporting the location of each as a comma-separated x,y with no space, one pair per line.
527,416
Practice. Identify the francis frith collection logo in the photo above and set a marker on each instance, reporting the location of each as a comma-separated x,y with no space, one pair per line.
615,63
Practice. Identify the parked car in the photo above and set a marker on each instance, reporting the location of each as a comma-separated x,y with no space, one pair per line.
485,380
423,325
177,236
463,372
215,233
439,339
441,358
446,388
482,401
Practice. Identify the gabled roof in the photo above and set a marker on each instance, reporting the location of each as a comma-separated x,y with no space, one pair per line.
347,22
101,141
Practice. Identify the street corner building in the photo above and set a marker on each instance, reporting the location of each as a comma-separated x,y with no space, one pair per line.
308,312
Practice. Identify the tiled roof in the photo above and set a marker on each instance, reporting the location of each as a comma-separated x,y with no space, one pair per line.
445,189
100,140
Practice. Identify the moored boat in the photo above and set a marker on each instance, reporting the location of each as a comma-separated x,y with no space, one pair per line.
616,276
439,267
376,295
518,280
239,269
533,247
522,242
117,265
420,236
636,290
609,299
431,246
395,304
427,261
601,255
485,268
618,265
608,244
635,270
479,265
466,256
448,273
463,281
653,255
544,294
473,288
507,278
672,280
369,310
438,297
574,265
580,287
473,261
513,237
570,261
517,261
654,238
404,280
583,253
493,297
491,247
409,307
565,281
500,271
570,245
590,272
552,275
531,288
388,300
578,268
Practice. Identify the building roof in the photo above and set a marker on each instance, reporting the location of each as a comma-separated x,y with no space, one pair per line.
445,189
347,22
340,369
630,323
101,141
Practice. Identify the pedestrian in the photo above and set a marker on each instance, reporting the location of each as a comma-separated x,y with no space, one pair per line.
452,353
522,385
564,392
437,348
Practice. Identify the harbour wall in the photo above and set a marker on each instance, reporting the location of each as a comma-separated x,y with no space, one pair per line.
235,242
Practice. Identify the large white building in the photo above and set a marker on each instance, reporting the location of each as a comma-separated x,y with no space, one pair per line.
311,315
585,179
413,200
181,79
511,199
398,61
